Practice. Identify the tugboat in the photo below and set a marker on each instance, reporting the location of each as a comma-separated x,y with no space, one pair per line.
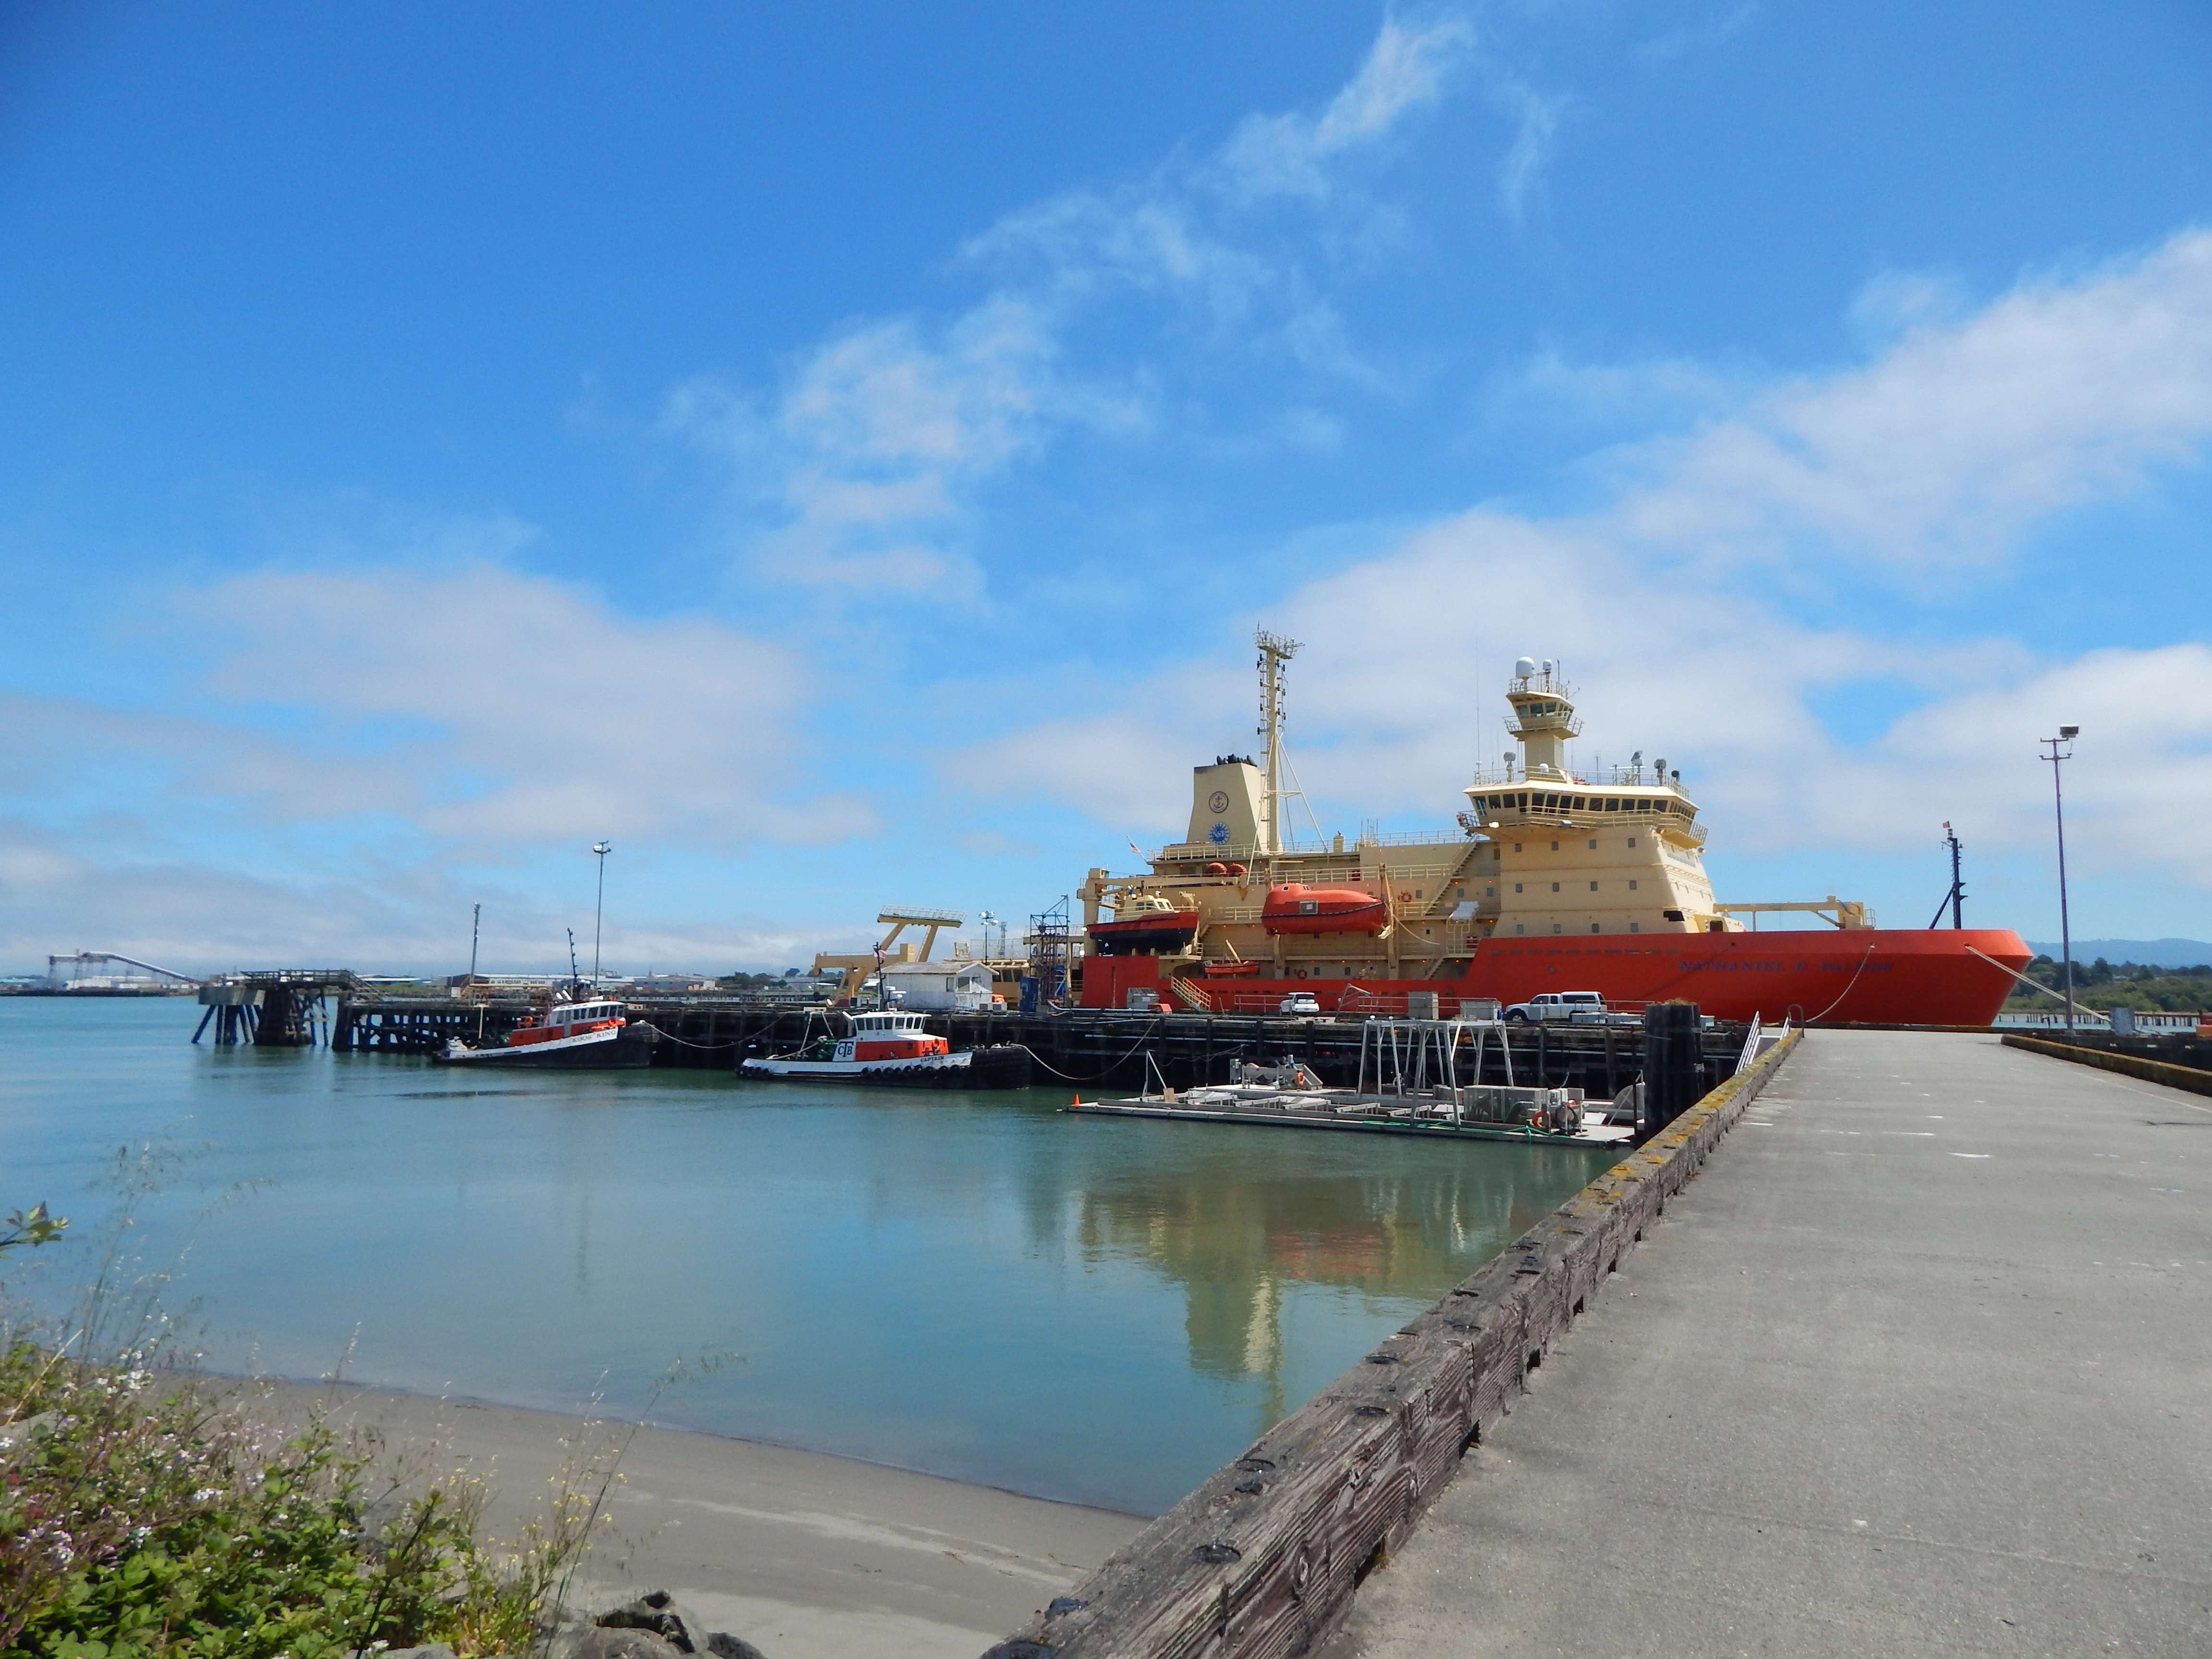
891,1049
592,1036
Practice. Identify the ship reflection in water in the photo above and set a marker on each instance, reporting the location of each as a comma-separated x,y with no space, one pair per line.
979,1285
1238,1226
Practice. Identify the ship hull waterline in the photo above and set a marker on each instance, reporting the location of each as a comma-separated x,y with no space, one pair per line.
625,1049
1883,977
1007,1066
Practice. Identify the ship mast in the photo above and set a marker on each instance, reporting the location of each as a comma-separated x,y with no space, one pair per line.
1274,652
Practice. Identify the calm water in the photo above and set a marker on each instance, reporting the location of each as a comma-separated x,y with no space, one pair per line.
975,1285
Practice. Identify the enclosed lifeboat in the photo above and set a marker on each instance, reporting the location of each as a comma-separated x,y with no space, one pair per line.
1146,925
1299,909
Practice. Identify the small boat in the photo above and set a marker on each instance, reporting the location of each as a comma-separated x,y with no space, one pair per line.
1143,924
1295,909
592,1036
892,1049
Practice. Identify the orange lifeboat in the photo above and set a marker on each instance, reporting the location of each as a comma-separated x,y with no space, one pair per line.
1300,909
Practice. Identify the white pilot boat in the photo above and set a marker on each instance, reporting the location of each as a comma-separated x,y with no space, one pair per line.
893,1050
594,1036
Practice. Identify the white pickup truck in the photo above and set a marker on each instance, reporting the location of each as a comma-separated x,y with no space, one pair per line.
1567,1007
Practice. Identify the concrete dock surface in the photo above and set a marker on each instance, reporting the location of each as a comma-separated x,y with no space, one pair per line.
1921,1363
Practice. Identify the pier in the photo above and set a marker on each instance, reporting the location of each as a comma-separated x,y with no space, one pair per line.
1916,1366
1087,1050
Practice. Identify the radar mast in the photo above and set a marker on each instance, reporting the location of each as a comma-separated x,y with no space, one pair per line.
1274,652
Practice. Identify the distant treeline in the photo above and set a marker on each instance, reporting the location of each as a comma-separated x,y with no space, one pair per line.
2102,984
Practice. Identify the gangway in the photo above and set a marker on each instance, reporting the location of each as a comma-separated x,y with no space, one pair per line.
62,981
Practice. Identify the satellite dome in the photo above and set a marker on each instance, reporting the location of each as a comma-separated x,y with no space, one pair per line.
1525,667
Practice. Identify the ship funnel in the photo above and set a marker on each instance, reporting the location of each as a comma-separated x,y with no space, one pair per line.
1524,667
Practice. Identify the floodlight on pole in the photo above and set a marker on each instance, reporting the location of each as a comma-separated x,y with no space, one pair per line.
2062,749
599,908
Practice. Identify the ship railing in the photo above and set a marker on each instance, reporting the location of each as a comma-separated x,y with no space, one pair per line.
1183,851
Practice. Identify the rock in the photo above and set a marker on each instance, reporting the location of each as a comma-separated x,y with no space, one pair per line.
619,1644
659,1612
723,1645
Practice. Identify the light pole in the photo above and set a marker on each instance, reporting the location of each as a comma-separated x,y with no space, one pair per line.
2060,749
476,932
598,909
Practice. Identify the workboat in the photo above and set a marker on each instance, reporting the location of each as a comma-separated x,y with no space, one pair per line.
1556,875
893,1050
593,1035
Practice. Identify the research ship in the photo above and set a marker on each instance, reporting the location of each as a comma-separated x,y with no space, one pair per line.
1551,879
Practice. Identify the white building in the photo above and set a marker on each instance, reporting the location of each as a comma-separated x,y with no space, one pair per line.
940,988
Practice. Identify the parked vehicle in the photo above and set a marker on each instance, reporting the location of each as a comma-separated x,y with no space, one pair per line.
1299,1002
1566,1007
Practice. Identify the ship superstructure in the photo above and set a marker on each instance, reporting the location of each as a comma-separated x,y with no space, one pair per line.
1541,854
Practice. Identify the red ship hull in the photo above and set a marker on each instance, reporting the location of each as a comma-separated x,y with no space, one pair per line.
1878,976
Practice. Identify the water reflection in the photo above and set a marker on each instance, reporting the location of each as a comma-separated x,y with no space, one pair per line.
1235,1213
1090,1308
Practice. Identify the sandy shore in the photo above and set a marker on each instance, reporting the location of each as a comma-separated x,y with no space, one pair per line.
805,1555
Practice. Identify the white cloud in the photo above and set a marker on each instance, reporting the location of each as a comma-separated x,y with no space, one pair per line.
369,751
1954,444
1943,450
867,461
519,708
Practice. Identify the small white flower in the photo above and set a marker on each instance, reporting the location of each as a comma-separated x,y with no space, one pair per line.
207,1494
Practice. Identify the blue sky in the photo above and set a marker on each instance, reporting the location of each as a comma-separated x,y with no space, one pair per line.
840,453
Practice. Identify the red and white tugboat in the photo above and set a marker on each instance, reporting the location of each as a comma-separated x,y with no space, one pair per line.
593,1035
892,1049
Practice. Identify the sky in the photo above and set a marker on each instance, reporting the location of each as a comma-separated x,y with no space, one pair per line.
839,454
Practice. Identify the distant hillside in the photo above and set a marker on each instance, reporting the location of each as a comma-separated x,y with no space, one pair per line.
2100,983
2152,952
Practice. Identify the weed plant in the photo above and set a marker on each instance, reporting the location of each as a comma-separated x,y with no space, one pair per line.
145,1514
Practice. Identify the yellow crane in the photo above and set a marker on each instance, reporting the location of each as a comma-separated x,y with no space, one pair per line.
856,969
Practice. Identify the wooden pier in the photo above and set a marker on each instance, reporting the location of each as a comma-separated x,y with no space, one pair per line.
1085,1049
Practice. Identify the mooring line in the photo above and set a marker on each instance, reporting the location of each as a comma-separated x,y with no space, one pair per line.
1095,1076
705,1048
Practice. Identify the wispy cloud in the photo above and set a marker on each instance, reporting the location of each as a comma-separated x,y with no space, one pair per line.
868,459
863,471
1290,155
1535,116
